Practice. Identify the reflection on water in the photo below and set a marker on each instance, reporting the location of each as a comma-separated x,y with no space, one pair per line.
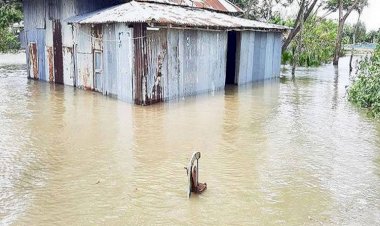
283,152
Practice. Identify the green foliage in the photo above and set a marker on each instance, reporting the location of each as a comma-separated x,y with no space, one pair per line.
10,13
8,41
332,5
373,37
277,19
318,43
365,91
360,31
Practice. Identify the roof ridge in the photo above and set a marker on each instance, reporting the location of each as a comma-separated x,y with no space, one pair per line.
206,5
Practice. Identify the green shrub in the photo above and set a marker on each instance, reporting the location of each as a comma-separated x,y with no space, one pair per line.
318,43
8,41
365,90
10,12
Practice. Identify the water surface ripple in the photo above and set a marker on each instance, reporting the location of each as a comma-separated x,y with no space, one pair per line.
281,152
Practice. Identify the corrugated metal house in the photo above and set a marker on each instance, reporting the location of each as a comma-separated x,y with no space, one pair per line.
148,51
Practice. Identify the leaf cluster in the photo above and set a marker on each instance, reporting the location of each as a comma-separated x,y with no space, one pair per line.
365,90
333,5
10,13
317,45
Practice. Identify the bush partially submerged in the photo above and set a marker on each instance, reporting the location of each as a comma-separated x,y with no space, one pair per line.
365,91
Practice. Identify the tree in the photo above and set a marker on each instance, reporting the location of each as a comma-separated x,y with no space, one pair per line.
262,10
317,43
372,36
345,8
359,34
306,8
10,13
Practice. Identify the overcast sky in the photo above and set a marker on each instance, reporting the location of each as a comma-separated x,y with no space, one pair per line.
370,15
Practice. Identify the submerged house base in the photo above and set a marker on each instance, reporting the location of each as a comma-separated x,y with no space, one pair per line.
146,53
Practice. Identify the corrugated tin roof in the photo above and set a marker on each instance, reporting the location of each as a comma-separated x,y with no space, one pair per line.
144,12
218,5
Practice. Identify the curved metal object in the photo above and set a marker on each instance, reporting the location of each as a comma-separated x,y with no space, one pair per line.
195,157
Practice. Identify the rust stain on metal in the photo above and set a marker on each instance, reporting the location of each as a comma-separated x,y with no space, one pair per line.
58,55
217,5
157,54
51,64
33,57
157,94
86,76
141,64
161,14
212,4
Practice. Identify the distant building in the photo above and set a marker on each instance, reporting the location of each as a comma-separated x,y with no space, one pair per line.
148,51
18,29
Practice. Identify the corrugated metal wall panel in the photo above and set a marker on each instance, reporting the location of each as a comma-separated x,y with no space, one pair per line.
85,71
204,68
41,53
256,57
277,54
37,36
53,9
68,66
220,53
110,86
190,67
157,51
140,64
260,56
269,56
84,40
196,63
182,63
124,62
245,72
174,78
34,14
84,58
68,9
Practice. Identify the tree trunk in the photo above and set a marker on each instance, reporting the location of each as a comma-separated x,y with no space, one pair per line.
296,55
296,26
342,20
338,44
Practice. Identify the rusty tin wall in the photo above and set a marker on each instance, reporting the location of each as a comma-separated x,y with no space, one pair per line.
184,63
35,33
84,57
140,64
37,37
171,64
157,56
55,49
115,43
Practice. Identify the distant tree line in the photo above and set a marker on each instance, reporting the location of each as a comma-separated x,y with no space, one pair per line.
361,34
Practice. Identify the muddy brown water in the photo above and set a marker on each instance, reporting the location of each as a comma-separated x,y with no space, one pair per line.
280,152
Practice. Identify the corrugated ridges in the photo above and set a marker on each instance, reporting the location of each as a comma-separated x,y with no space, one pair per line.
161,14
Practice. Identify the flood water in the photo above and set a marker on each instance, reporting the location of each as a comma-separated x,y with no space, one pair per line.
282,152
